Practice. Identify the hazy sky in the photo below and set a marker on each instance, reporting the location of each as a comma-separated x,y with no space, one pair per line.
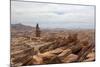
52,15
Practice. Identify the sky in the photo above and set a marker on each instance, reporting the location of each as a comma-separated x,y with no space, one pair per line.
49,15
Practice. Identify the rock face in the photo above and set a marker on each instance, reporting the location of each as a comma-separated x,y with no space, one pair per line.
65,52
62,54
59,48
70,58
90,57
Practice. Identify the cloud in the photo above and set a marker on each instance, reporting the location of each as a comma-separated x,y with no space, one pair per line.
45,13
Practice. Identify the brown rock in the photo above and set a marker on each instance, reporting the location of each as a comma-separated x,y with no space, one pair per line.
90,57
56,51
65,53
37,59
70,58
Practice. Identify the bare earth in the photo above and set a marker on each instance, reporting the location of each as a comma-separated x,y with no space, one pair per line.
52,47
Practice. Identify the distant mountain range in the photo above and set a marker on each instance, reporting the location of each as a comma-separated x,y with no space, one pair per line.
21,27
